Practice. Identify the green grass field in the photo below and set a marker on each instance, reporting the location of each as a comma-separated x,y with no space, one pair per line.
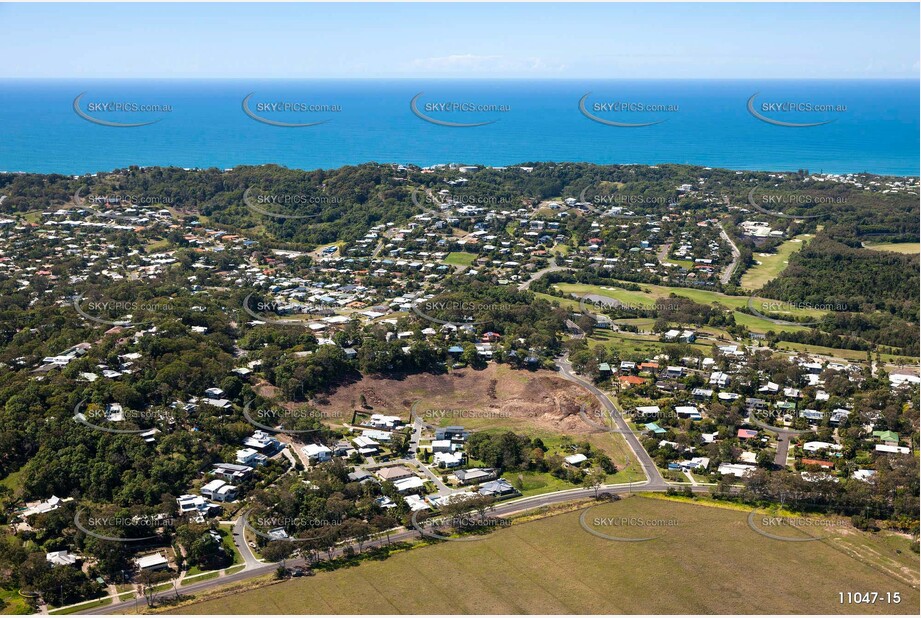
772,264
853,355
13,481
13,604
709,562
650,293
460,258
895,247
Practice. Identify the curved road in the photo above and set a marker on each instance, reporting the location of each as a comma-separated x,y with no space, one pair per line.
524,285
783,438
255,568
655,481
503,509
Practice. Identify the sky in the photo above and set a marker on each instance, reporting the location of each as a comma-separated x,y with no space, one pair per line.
556,41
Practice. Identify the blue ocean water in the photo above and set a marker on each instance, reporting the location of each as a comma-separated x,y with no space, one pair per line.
874,128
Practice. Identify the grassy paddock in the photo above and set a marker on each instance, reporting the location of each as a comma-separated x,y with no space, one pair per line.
553,565
460,258
772,264
894,247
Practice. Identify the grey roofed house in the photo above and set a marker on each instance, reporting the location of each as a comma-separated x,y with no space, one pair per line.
231,472
812,415
499,487
475,475
360,476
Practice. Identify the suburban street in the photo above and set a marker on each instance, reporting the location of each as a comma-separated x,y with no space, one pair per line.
524,285
783,439
504,509
255,568
655,482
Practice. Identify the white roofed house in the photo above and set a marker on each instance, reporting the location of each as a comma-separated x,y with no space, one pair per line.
196,507
250,457
62,558
690,412
719,379
219,490
232,472
448,460
317,453
261,441
409,484
152,562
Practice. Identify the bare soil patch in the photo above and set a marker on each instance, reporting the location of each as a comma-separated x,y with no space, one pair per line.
540,399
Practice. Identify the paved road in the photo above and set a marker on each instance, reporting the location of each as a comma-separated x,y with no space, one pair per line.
254,568
783,445
783,439
655,482
503,509
662,254
727,274
239,539
524,285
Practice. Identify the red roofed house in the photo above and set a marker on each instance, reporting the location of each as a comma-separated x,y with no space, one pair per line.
745,434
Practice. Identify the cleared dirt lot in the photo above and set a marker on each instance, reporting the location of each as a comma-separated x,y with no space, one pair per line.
496,396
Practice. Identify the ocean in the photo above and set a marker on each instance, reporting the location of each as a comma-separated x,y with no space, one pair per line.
856,125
